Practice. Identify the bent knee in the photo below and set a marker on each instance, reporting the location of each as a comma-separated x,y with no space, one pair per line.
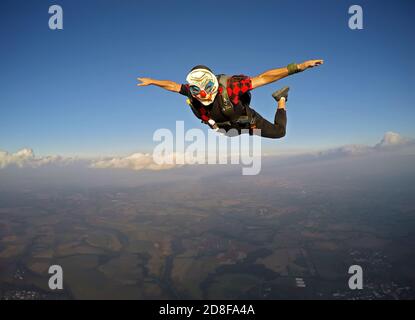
278,134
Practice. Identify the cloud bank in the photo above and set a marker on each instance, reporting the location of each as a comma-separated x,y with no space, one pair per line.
391,142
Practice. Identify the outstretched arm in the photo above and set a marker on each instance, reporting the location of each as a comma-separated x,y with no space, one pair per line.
165,84
277,74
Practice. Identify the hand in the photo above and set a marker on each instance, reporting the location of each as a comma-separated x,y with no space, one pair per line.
144,82
310,64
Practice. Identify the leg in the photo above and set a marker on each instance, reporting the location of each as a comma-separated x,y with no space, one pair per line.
278,129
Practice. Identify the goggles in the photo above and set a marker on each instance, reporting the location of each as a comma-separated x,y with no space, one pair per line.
195,90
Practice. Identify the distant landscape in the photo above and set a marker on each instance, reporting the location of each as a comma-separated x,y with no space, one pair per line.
291,232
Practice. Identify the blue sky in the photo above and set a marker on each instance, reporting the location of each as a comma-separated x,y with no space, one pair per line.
73,92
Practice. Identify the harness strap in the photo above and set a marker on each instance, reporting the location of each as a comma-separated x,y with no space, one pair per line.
226,105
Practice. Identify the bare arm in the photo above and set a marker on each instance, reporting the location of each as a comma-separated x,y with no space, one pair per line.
165,84
277,74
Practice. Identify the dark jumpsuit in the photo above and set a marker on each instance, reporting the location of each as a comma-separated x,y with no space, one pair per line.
239,93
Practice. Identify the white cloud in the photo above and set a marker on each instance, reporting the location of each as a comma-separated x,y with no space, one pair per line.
20,158
136,161
391,139
26,158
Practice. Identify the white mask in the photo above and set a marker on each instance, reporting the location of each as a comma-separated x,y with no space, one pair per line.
203,85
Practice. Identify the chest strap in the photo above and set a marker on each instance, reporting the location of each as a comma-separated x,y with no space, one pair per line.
226,103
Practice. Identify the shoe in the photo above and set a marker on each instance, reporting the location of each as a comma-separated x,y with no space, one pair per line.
277,95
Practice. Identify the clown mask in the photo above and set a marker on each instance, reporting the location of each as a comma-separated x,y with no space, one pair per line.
203,85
